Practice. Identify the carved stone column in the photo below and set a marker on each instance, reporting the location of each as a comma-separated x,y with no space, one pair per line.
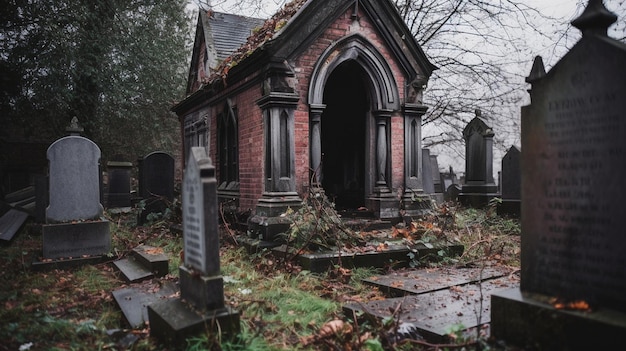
316,144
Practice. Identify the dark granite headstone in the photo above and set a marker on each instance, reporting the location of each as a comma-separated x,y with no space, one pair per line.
156,175
201,299
479,186
119,184
573,164
427,170
511,183
156,183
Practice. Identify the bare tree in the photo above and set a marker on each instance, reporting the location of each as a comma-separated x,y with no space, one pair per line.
484,50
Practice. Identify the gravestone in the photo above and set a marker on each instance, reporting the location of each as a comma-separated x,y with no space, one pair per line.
201,301
573,262
479,186
156,183
74,225
511,183
438,189
119,184
427,170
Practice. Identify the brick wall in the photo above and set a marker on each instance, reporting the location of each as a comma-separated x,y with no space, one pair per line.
304,65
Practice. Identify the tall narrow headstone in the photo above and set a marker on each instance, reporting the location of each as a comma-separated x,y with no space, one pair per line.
511,183
75,227
201,301
156,183
573,242
479,186
427,165
119,184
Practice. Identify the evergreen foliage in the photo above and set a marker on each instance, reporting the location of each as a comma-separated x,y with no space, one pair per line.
116,65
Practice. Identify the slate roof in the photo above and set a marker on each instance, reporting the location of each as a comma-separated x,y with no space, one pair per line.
230,31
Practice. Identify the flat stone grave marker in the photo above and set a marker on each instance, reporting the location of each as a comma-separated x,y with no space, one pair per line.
573,242
443,299
135,299
10,223
425,280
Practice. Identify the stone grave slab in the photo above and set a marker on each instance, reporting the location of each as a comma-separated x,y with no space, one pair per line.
398,255
132,270
73,240
133,300
10,223
432,313
401,283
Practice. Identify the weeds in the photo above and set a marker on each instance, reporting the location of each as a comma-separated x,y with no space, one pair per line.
280,305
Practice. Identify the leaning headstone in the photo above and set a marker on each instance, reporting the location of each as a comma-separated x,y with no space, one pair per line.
75,227
511,183
573,263
479,186
201,302
156,183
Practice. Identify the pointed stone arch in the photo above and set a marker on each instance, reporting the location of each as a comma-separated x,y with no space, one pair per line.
355,47
382,89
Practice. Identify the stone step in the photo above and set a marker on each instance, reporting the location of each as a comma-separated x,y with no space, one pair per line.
153,258
132,270
144,262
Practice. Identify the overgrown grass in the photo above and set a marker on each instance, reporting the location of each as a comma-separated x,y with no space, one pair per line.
281,306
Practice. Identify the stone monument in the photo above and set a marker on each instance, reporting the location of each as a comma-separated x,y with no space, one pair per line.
201,301
119,184
510,185
572,292
479,186
156,183
75,228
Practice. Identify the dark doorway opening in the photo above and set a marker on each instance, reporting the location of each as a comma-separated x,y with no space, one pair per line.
343,136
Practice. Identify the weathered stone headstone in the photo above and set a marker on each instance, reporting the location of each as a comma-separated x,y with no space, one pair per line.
75,227
427,169
119,184
201,301
436,174
479,186
573,242
511,183
156,183
156,175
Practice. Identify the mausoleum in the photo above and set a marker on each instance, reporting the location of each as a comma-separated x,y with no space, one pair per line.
324,96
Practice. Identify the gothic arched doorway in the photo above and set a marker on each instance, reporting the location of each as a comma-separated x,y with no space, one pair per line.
344,136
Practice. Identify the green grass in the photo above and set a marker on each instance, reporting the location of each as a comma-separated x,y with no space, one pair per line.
279,304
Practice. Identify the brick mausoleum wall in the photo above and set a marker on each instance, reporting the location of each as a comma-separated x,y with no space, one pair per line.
305,64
